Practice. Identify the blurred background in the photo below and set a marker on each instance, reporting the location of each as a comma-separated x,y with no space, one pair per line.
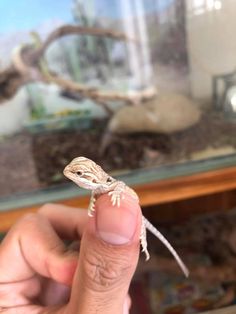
147,89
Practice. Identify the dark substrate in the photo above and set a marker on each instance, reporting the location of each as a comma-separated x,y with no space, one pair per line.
30,162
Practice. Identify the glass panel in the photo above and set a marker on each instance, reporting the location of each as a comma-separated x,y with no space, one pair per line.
145,88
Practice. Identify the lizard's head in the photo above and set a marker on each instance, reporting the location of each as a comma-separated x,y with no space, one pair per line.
87,174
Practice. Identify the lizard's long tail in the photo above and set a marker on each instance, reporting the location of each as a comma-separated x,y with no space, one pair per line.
157,233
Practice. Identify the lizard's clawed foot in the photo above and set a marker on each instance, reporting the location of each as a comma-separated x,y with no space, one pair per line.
116,197
143,240
145,251
90,214
91,210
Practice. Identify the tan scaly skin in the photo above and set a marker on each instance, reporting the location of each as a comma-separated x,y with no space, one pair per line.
88,175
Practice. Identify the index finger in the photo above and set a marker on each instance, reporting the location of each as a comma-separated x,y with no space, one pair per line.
34,244
68,222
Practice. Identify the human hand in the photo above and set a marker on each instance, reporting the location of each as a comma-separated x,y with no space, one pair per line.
39,274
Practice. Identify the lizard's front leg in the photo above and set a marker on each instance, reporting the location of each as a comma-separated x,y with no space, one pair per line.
116,193
91,207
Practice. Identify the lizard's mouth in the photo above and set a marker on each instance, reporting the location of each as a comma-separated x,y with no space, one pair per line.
85,183
85,180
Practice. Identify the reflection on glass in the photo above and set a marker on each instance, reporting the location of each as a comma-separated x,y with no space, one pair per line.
201,6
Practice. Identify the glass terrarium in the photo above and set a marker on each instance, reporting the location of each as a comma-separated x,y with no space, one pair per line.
145,88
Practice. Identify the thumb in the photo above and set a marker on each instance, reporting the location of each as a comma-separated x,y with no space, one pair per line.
108,257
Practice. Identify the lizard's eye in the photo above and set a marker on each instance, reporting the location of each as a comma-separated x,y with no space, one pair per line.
79,173
109,180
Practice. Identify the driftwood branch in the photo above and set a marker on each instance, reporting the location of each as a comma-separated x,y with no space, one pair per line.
81,30
26,68
10,81
30,56
99,95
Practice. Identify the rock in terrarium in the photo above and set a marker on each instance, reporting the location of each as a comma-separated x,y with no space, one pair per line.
166,113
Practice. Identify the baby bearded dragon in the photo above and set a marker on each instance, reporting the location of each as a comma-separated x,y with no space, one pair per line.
88,175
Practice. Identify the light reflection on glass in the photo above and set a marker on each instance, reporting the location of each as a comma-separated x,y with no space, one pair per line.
138,58
198,7
233,102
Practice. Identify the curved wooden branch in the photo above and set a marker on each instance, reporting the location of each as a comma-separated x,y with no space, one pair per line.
32,57
18,62
99,95
66,30
26,63
10,81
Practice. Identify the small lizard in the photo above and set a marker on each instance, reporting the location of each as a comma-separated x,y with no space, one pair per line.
88,175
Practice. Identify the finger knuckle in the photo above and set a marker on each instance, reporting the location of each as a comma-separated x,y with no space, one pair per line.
30,218
46,208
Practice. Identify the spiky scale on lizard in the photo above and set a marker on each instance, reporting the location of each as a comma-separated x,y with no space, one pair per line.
87,174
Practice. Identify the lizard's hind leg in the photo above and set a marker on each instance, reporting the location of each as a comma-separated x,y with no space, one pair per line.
143,239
